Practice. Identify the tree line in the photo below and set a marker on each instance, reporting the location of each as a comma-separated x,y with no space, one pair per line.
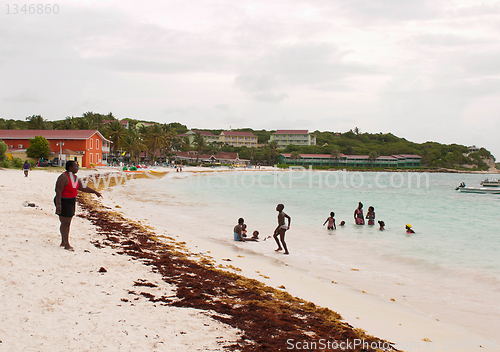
159,141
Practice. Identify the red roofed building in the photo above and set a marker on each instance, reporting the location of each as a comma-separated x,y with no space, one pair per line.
296,137
86,146
238,139
222,157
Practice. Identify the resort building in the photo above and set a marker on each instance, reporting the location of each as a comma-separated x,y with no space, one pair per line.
209,137
297,137
473,149
88,147
220,158
238,139
400,160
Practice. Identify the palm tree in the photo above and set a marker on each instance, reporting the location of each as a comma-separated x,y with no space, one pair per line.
132,144
82,123
10,125
373,156
170,136
272,150
295,155
115,132
335,154
180,143
67,124
155,139
200,144
36,122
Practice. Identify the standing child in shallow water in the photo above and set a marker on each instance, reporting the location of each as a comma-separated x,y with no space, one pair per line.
358,215
280,230
331,222
371,215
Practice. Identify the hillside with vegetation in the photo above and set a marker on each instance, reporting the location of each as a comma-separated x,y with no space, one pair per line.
147,136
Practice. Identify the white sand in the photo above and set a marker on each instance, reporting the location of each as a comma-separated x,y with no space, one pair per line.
55,300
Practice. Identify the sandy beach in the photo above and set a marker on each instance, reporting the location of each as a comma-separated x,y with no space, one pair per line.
115,292
56,300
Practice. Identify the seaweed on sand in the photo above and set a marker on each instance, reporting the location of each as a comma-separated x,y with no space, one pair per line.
267,317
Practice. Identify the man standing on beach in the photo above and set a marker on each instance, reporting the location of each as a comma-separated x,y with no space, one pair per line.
67,187
280,230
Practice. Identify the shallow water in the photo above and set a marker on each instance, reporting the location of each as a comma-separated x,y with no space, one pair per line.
449,269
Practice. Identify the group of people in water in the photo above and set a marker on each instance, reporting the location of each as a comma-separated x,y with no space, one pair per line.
359,219
240,232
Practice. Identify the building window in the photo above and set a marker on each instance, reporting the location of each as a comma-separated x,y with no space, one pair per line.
91,143
97,144
11,146
91,158
19,145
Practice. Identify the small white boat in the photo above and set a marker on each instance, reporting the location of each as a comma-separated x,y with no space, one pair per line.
490,183
481,190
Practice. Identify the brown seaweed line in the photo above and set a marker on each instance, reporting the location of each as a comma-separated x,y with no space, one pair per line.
266,317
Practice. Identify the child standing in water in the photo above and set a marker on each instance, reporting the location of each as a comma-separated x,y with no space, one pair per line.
358,215
331,222
280,230
371,215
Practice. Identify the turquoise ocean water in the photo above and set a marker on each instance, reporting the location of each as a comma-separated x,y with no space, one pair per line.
449,268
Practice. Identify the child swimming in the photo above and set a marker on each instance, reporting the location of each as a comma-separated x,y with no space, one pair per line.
408,229
331,222
255,237
381,225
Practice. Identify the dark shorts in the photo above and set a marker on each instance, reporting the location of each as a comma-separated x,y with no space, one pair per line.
67,207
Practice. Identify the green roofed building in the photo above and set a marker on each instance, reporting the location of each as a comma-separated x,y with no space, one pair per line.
399,160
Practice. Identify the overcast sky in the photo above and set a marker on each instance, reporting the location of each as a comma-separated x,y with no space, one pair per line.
423,70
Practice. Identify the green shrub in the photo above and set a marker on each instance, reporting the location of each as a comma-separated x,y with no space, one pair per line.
17,163
5,163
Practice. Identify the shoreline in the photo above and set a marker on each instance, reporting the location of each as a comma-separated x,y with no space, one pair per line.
363,311
267,317
276,273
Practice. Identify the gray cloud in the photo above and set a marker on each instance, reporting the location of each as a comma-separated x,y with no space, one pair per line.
394,10
445,41
256,82
270,97
25,96
223,107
